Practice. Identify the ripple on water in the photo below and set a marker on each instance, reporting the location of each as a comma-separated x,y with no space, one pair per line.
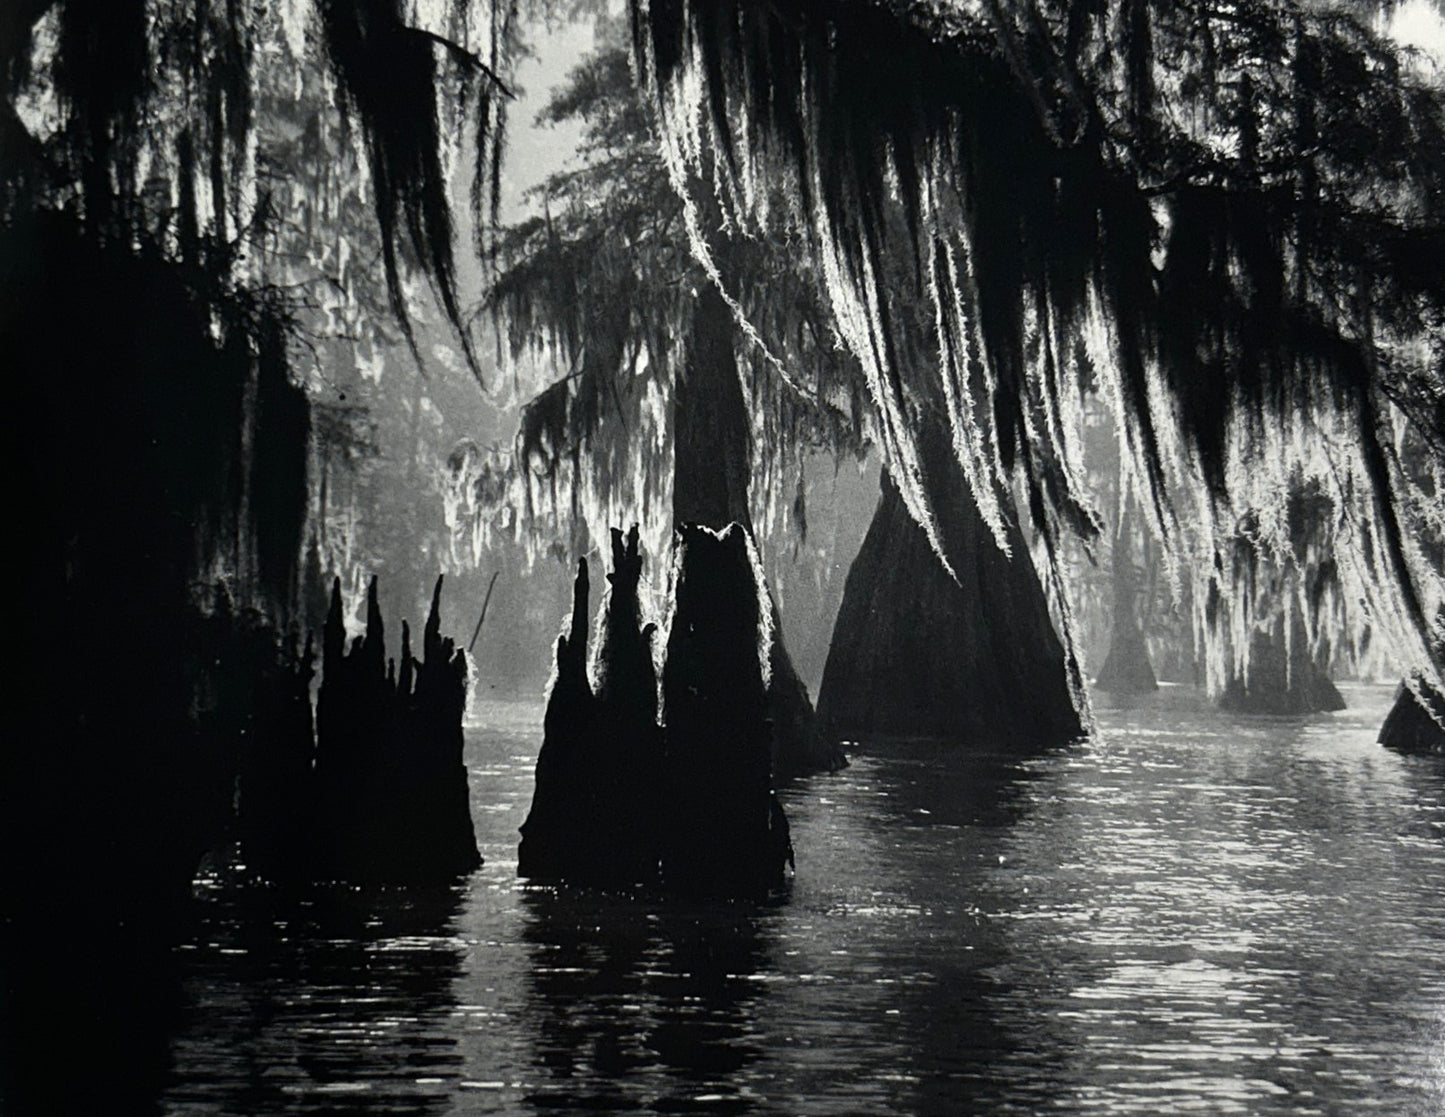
1190,913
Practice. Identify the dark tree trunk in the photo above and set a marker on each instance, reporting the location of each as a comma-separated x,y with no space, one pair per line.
392,803
597,805
1410,727
620,801
277,803
710,487
915,654
559,825
123,445
725,832
1281,681
1126,669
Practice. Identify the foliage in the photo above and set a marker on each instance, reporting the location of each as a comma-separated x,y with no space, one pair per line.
602,287
1231,209
169,122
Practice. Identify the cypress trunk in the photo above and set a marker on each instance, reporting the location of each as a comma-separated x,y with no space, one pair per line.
916,654
1126,669
1414,725
710,487
725,833
1410,727
1282,680
596,807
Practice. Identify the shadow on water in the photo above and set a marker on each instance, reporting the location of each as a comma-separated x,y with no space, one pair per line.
967,1051
328,1000
643,1003
905,963
934,782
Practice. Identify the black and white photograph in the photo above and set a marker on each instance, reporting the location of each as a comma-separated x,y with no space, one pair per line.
755,558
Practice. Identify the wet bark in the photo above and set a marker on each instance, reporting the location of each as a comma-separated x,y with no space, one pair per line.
1281,680
710,487
916,654
1126,669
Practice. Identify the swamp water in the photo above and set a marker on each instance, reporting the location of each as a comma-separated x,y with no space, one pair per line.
1190,913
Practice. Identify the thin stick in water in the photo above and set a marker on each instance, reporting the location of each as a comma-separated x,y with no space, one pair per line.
485,602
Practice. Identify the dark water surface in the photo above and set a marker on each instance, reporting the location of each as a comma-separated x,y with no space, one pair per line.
1191,913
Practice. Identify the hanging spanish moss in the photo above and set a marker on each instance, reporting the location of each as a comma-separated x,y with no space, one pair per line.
1232,216
665,412
387,71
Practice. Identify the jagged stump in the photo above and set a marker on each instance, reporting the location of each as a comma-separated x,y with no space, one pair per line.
621,801
593,815
726,833
386,800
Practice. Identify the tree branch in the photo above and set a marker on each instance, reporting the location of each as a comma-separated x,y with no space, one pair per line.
462,54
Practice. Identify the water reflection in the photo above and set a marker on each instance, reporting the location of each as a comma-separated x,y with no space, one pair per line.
643,1003
337,1000
1189,912
932,953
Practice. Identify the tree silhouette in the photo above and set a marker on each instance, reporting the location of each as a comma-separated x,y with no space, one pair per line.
667,413
1232,207
179,186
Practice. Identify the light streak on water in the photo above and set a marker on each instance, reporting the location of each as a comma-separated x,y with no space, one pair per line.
1192,913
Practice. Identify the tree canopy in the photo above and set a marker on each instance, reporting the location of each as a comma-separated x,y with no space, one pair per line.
1232,209
603,290
1224,218
192,126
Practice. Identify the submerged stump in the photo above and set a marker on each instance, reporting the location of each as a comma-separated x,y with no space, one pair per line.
593,818
1411,726
276,809
1281,680
622,801
711,477
386,799
627,737
726,832
558,825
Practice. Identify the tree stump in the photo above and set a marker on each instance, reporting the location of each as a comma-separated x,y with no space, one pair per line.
623,802
726,833
391,802
1281,681
1410,727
